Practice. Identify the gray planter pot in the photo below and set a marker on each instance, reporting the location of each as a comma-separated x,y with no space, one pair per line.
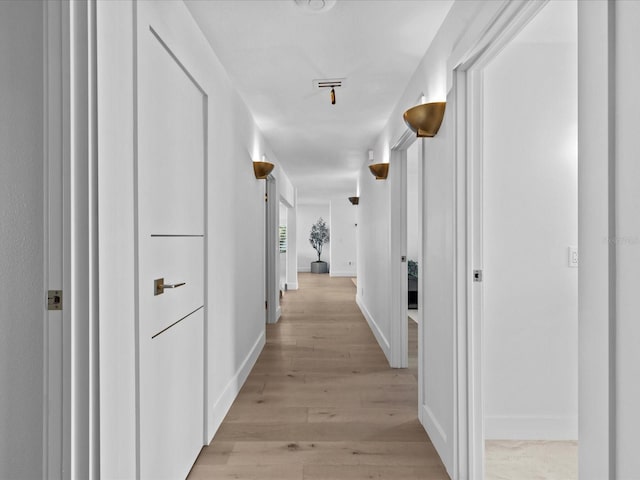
319,267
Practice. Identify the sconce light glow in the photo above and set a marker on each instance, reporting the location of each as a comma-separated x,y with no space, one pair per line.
378,170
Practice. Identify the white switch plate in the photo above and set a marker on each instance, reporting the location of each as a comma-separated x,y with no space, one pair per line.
573,256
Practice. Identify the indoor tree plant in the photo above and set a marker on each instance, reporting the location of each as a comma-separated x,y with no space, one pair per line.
318,237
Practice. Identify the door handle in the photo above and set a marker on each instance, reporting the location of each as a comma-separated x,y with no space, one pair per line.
159,286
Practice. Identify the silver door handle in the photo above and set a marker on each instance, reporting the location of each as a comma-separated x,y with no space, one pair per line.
159,286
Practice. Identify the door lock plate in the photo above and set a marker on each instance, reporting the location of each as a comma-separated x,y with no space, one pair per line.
54,300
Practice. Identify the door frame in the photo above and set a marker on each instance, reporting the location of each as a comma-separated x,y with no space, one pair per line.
399,334
272,204
466,99
71,423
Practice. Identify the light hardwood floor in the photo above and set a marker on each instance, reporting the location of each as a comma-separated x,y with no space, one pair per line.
322,402
531,460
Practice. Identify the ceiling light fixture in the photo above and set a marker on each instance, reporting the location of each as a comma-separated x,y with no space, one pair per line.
263,168
332,84
315,6
379,170
425,119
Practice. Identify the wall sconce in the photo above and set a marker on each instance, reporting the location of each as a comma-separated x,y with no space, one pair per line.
263,168
354,200
425,119
379,170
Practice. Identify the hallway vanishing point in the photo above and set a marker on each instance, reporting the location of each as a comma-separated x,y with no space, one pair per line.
322,402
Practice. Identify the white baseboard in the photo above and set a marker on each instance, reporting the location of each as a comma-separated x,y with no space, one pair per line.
278,313
292,286
342,274
531,427
382,340
230,392
304,269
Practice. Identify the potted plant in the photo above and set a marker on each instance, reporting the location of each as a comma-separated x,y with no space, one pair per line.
318,237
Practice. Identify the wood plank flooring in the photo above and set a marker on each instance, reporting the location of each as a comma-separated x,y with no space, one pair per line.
321,402
531,460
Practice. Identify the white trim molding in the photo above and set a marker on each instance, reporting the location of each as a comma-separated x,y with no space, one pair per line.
221,407
531,427
343,274
382,340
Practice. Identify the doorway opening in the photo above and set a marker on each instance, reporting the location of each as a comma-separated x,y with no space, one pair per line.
414,242
406,251
522,302
272,291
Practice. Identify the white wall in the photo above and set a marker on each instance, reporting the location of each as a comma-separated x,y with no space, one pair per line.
343,237
21,240
308,215
235,235
373,267
413,234
530,217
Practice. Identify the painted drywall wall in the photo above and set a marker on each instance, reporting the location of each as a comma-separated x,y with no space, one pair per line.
627,241
343,238
21,240
235,230
373,267
530,218
413,234
306,217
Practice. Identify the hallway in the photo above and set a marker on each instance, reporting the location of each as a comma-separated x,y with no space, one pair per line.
322,402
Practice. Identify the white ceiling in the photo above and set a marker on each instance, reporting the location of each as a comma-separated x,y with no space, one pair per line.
273,49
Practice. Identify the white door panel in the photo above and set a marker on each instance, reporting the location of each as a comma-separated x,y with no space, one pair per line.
172,399
171,143
171,181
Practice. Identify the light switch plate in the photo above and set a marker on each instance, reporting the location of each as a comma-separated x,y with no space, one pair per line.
573,256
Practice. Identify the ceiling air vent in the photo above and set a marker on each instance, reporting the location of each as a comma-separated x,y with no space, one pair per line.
320,83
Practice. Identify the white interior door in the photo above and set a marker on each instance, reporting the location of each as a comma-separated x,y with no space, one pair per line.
172,119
